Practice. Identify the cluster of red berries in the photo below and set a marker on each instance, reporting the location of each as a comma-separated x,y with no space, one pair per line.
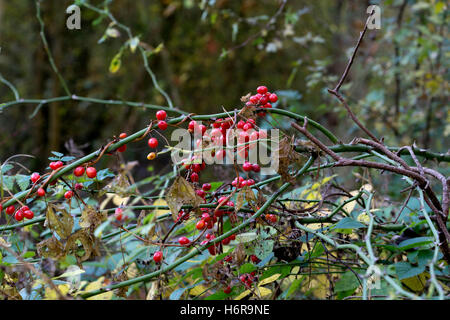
247,278
263,99
21,213
195,166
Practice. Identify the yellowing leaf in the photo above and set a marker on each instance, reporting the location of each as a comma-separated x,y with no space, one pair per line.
264,291
195,291
51,294
242,295
269,279
97,284
115,64
160,212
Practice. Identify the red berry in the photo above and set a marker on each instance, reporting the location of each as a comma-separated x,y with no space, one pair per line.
122,148
227,290
254,258
91,172
194,177
35,177
19,215
240,124
200,193
206,186
202,128
161,115
79,171
200,225
226,241
273,97
41,192
247,166
261,89
157,256
183,241
28,214
153,142
58,164
118,214
256,167
123,135
192,125
162,125
68,194
264,100
10,210
78,186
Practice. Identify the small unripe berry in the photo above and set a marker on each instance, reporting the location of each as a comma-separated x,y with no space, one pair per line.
151,156
123,135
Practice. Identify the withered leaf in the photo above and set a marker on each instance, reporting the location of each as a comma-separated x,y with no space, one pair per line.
119,185
63,224
181,193
247,112
245,195
92,218
88,241
50,248
287,156
239,254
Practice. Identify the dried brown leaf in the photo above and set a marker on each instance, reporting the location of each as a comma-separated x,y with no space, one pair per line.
91,218
50,248
181,193
62,224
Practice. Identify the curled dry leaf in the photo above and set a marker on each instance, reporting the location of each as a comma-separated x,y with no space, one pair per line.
91,218
88,241
245,195
62,224
119,185
181,193
287,156
50,248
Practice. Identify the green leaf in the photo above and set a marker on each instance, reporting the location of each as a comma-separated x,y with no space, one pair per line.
414,242
23,181
58,154
105,173
247,268
349,223
405,270
347,282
